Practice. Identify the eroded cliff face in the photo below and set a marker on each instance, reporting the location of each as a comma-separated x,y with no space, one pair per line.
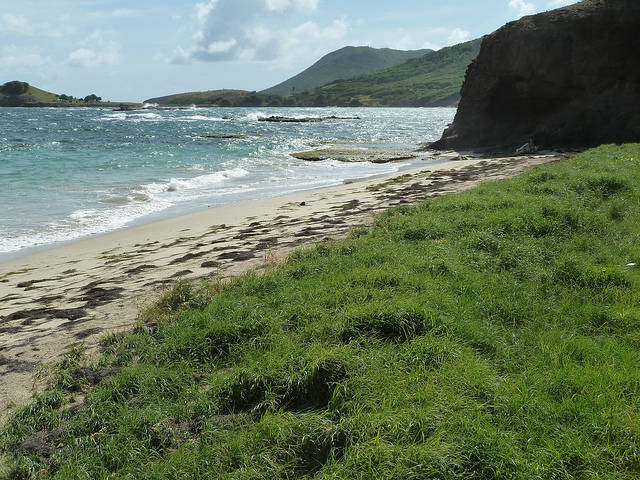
566,78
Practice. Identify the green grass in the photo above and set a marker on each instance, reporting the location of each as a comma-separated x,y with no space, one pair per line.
492,334
41,96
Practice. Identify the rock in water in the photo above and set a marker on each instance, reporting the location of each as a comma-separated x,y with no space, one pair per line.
565,78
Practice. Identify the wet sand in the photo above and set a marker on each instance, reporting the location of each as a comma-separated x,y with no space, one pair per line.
73,294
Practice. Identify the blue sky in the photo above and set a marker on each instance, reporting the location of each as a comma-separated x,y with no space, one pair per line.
132,50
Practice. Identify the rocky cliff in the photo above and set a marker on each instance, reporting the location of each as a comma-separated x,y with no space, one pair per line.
566,78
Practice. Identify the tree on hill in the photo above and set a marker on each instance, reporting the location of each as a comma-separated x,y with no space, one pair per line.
14,88
93,98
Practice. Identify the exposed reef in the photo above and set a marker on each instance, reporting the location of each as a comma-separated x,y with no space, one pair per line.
228,135
565,78
355,153
278,119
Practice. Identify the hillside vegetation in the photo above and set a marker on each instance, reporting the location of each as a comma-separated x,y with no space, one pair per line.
39,95
491,334
29,95
21,94
434,79
342,64
198,98
431,80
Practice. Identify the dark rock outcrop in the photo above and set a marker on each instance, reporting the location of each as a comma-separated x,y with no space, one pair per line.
565,78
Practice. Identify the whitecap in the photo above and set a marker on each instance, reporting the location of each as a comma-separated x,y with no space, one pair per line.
253,116
194,118
200,182
144,116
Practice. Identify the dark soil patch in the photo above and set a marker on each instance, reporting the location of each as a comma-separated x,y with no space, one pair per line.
210,264
336,221
10,330
157,282
13,365
49,299
87,333
182,273
308,232
41,443
236,256
267,243
91,376
98,296
318,219
244,236
187,257
350,205
139,269
36,313
90,285
33,282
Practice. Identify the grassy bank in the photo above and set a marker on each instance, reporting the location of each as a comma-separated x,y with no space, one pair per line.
491,334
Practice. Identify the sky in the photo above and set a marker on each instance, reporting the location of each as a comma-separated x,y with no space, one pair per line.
138,49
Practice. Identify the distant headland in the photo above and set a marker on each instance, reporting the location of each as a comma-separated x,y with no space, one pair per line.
20,94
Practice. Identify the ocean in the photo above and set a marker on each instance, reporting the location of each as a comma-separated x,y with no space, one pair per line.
66,174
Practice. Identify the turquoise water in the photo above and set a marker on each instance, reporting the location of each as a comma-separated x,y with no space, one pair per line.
71,173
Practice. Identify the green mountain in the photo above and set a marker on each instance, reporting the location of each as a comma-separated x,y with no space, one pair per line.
433,79
210,97
344,63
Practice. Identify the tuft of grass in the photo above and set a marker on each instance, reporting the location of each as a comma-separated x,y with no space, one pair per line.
491,334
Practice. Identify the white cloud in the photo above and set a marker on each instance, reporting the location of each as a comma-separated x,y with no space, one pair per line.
432,38
125,12
85,57
17,58
20,26
300,5
262,30
15,24
522,7
221,47
181,56
560,3
119,13
310,41
458,35
96,50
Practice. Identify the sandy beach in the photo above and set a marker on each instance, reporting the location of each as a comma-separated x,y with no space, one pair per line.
53,299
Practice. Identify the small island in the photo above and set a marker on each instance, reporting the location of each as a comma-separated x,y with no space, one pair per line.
20,94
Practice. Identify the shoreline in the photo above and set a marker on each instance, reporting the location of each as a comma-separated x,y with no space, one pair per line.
74,293
161,216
